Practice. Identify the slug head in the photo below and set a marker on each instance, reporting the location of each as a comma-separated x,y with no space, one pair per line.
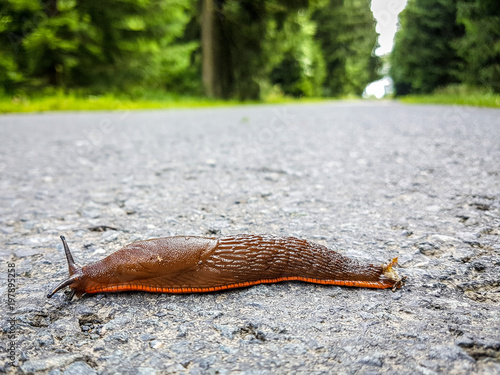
75,273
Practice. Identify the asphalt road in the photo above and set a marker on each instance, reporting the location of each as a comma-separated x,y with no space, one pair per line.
370,180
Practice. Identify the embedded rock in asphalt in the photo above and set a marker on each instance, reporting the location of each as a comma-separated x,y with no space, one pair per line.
372,180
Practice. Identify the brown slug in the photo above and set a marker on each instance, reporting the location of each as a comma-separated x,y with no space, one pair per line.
187,264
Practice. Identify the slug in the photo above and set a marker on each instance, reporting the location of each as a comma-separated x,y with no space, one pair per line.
186,264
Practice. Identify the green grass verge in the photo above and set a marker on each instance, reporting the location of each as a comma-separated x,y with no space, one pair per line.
457,94
72,102
493,102
61,102
76,101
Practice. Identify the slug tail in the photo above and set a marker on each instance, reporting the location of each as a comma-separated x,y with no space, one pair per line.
390,274
75,272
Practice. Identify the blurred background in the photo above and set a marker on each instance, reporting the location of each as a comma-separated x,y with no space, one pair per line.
248,49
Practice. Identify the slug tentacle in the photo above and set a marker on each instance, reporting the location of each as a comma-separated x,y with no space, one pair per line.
73,268
68,282
75,272
188,264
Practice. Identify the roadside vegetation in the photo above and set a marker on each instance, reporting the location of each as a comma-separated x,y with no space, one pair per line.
115,54
456,95
60,101
76,102
140,54
448,43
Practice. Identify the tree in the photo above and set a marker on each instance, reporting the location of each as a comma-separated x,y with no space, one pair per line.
17,19
231,48
423,57
120,44
134,44
346,33
216,73
480,46
234,35
298,67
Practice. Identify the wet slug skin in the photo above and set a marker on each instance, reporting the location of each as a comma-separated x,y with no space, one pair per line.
189,264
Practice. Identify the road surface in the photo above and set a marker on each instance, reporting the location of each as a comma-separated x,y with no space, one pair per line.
372,180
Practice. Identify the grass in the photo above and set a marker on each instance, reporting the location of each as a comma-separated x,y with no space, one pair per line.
75,102
458,95
59,101
72,102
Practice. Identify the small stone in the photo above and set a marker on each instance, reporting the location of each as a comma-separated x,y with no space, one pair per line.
146,337
6,230
117,323
406,233
121,337
146,371
25,252
131,205
444,239
433,208
91,213
479,266
109,236
227,330
155,344
371,361
79,368
205,363
45,364
45,340
428,248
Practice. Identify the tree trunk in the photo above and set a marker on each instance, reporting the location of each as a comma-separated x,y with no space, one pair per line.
51,10
207,47
216,62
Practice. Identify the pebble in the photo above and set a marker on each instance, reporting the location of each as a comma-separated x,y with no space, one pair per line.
49,363
79,368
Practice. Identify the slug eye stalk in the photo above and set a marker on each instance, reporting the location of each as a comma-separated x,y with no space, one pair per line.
75,272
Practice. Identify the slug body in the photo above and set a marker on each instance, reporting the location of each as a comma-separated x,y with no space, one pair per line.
187,264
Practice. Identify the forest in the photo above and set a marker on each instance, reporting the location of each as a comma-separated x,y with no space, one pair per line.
447,42
241,49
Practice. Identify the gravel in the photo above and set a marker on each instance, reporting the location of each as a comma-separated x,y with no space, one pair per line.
372,180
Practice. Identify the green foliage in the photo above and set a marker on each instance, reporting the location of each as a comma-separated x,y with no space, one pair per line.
447,41
122,44
253,41
457,94
51,48
142,46
298,67
137,43
346,33
10,75
57,100
480,47
244,25
423,58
